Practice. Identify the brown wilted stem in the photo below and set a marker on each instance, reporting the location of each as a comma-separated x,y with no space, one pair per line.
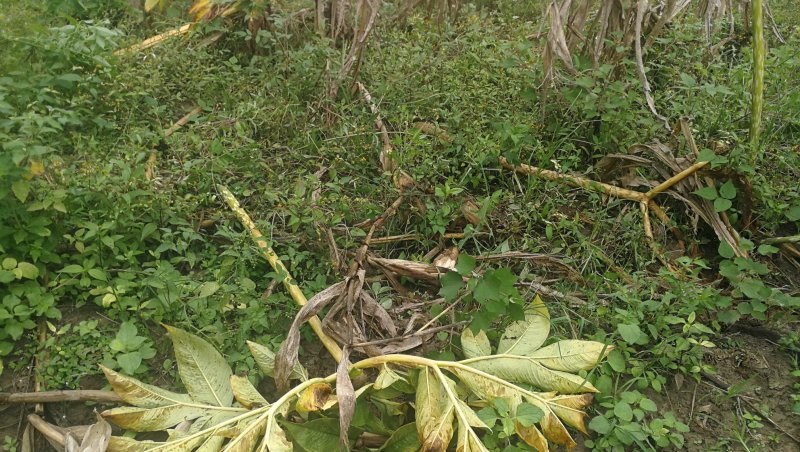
80,395
277,265
46,429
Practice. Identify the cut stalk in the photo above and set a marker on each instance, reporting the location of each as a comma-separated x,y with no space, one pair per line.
757,94
277,265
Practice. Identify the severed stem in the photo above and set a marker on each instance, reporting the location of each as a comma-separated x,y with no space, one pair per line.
277,265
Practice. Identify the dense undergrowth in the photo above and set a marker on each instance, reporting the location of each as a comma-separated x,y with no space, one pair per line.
103,254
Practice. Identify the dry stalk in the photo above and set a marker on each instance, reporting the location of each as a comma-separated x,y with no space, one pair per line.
150,42
150,166
386,156
277,265
81,395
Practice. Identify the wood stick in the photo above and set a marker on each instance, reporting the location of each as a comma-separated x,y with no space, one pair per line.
407,237
576,181
386,157
150,42
667,184
182,122
414,334
277,265
47,429
80,395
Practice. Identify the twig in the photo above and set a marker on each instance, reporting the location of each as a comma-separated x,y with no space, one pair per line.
415,334
151,159
386,157
667,184
277,265
407,237
725,387
548,292
439,315
80,395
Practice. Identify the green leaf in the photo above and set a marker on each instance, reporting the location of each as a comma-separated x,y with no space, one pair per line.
207,289
616,361
728,316
727,190
722,204
600,425
524,337
794,213
72,269
528,414
709,193
465,264
317,435
129,362
404,439
9,263
648,405
623,411
766,250
753,288
451,285
630,332
27,270
475,345
21,189
203,370
725,250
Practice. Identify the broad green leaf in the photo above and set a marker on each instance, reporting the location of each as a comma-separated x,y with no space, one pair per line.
9,263
600,425
434,412
722,204
21,188
794,213
727,190
207,289
317,435
623,411
72,269
244,392
203,371
475,345
630,332
725,250
465,264
404,439
265,360
526,336
28,270
129,362
709,193
528,414
572,355
523,369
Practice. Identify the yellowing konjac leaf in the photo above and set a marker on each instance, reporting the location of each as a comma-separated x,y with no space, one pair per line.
522,369
244,392
570,409
469,415
150,4
475,345
247,438
386,378
125,444
313,398
524,337
203,371
532,436
152,419
572,355
488,389
467,440
141,394
275,438
434,412
555,431
265,360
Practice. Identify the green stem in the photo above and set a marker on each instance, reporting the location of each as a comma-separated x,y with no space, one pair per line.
757,94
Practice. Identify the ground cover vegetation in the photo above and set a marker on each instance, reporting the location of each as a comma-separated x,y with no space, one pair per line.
454,188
